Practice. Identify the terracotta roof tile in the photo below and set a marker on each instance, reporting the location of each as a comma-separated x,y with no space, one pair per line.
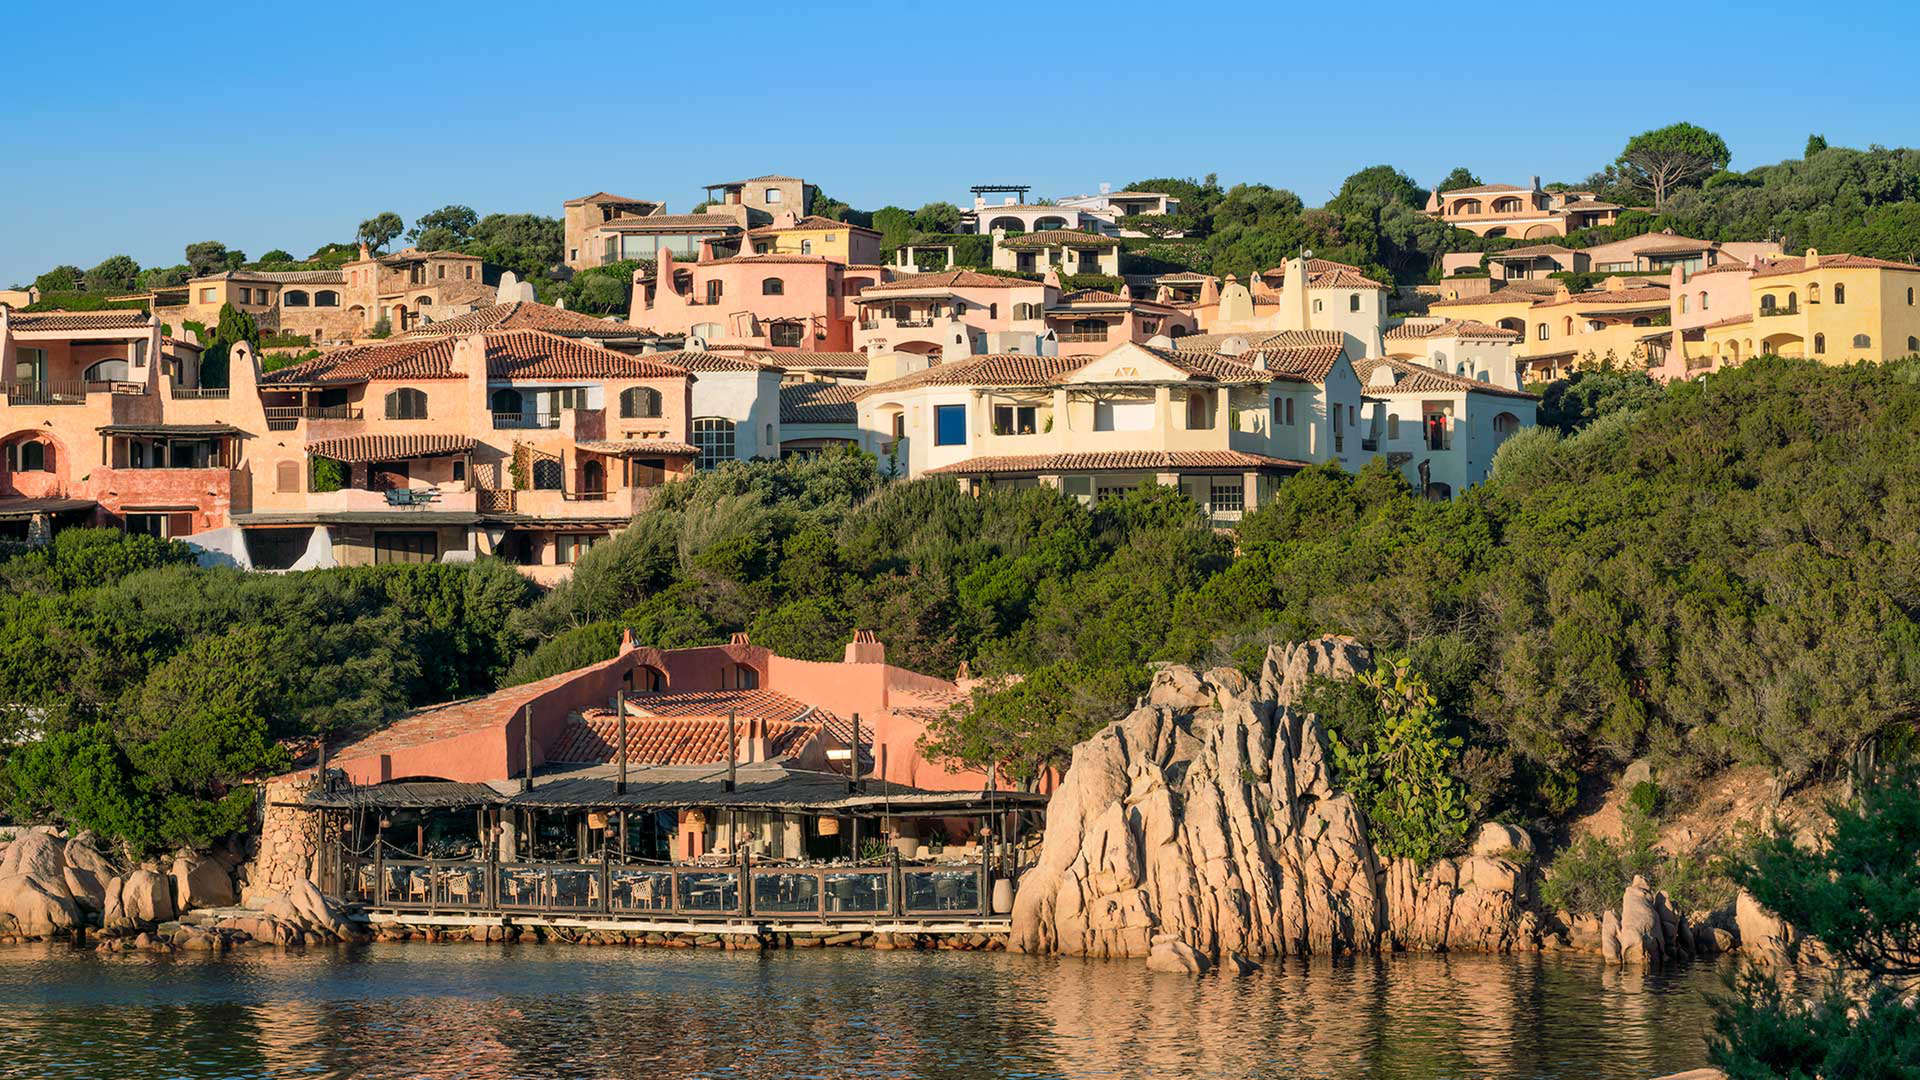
954,279
1456,328
636,447
522,315
815,361
1418,379
361,363
669,223
112,319
694,360
1482,189
996,369
362,449
811,223
423,727
1791,265
688,728
1100,461
768,259
1059,238
819,403
1508,295
534,354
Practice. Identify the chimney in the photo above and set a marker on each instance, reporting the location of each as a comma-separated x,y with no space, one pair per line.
364,253
626,641
1106,189
1295,308
1813,259
865,648
1536,183
753,744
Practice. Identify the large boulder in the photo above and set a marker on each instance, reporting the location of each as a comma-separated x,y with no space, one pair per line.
145,898
1642,933
200,882
304,906
87,872
1176,957
33,910
40,855
1762,933
1499,841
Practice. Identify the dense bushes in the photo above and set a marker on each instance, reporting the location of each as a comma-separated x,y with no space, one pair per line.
1715,572
144,689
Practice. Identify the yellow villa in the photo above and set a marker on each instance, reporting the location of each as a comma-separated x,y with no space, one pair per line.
1835,308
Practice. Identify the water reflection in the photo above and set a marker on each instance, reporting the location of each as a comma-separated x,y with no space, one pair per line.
470,1012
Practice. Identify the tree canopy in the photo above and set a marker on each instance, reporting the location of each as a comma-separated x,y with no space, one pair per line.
380,230
1667,158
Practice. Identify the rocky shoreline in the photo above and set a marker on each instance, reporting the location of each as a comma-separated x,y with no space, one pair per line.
1205,830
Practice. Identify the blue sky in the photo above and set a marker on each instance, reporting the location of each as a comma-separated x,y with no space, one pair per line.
286,125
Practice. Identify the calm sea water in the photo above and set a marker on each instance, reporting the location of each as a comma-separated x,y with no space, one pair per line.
499,1012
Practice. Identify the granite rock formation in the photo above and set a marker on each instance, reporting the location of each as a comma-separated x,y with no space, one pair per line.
1209,817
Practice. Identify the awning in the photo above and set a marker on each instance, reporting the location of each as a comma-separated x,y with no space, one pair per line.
634,447
177,431
14,509
365,449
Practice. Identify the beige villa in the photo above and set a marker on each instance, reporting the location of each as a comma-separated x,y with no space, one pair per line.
1495,210
1071,251
408,289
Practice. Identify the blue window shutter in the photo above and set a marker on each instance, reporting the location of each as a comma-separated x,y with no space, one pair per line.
950,425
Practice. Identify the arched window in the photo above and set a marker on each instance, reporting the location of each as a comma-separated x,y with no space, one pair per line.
1495,234
1468,206
407,403
1766,303
993,311
1813,293
1353,302
1644,320
638,402
422,301
286,477
1909,296
773,286
1819,344
1507,205
326,298
36,456
1839,294
1913,344
1567,327
1703,299
112,369
1505,424
593,477
506,401
1860,341
1683,303
293,298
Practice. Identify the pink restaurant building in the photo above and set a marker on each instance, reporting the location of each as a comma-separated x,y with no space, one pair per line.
773,302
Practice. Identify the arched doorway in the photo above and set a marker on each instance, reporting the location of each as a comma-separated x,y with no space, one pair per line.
593,478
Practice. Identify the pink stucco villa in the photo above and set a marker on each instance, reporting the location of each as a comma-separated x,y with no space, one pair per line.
773,301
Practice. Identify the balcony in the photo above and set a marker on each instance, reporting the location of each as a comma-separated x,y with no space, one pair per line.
356,500
1769,312
526,421
288,417
50,392
198,393
1078,336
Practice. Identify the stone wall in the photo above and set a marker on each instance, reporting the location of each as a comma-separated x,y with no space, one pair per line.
289,843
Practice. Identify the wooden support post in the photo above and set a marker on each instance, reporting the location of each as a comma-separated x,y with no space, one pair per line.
526,749
620,785
733,753
320,766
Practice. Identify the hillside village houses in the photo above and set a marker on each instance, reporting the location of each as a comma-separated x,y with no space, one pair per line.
488,424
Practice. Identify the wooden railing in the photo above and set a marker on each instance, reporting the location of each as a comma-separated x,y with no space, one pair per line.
287,417
687,891
199,393
50,392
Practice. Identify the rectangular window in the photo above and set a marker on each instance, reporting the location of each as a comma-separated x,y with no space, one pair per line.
1014,420
773,195
1123,416
949,425
206,296
713,292
405,547
440,273
469,273
1227,496
1077,487
806,247
1393,427
1199,411
568,547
